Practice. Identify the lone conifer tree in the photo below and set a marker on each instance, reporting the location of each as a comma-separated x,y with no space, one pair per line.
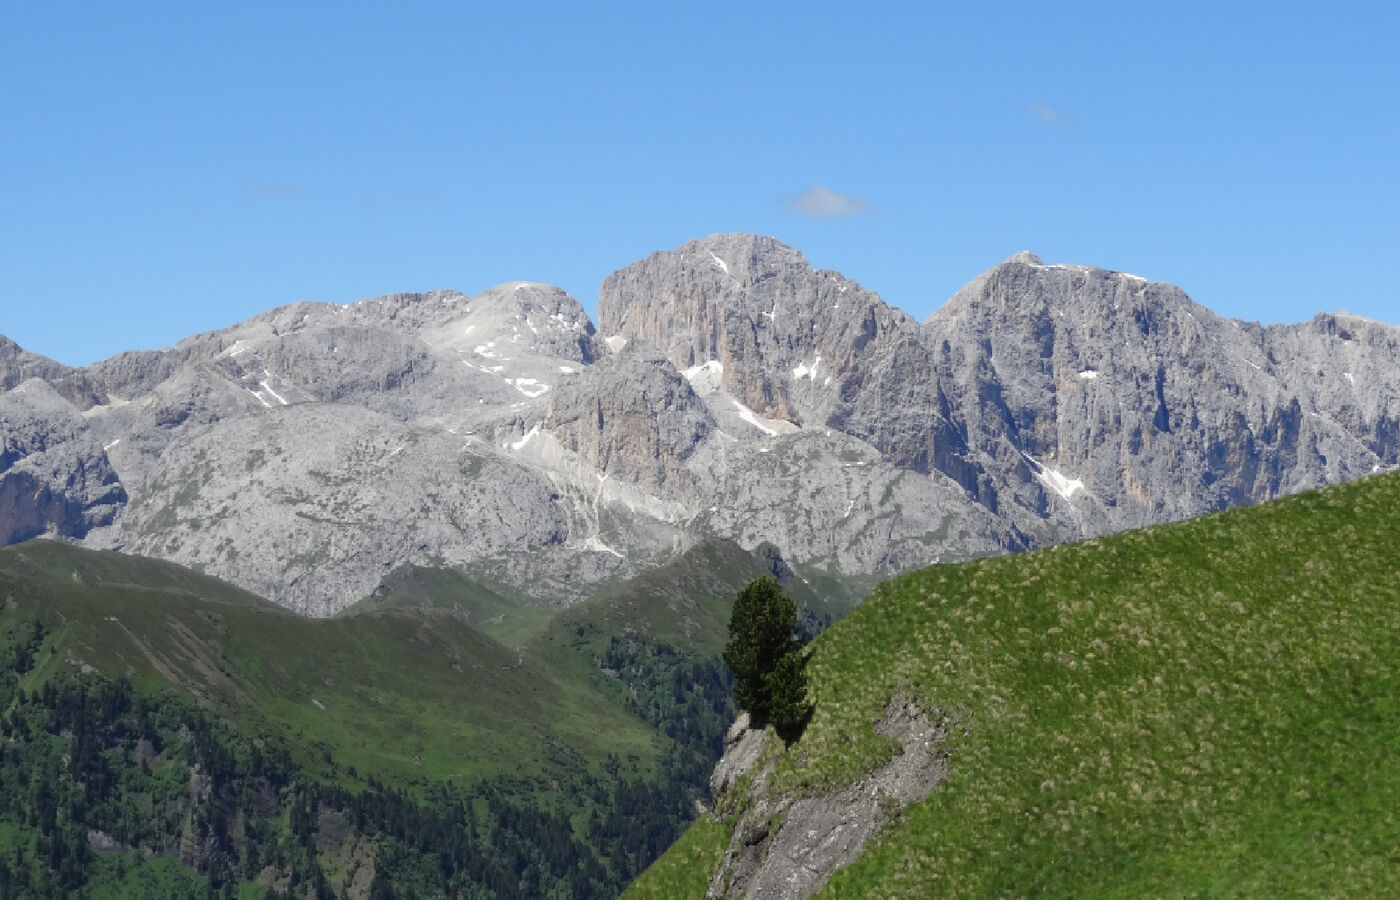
765,655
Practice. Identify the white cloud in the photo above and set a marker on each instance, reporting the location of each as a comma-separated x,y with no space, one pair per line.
818,202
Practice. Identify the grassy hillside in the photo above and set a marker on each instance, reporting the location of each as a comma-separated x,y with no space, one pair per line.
1210,707
404,694
507,618
576,743
400,747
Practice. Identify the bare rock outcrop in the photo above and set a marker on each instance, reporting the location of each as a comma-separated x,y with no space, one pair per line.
785,847
634,416
54,476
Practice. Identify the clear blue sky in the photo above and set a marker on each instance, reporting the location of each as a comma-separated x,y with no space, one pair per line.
167,168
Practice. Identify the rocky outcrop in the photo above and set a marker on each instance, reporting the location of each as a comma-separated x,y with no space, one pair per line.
633,416
785,847
54,476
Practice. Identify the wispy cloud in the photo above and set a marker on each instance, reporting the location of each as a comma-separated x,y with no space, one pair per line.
1055,118
818,202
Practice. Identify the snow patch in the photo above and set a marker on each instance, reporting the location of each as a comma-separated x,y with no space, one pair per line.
805,371
705,378
724,266
1350,377
567,370
1089,374
751,417
615,343
275,396
106,447
520,444
596,544
530,387
1054,479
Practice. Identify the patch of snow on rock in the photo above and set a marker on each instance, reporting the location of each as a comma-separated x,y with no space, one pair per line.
704,379
724,266
1054,479
530,387
1089,374
520,444
615,342
751,417
805,371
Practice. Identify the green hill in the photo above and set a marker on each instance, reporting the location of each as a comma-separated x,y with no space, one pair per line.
441,736
1209,707
406,695
403,744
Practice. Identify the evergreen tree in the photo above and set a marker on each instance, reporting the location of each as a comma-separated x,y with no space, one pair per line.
787,696
761,634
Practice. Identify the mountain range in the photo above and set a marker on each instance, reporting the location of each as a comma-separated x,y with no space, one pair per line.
729,390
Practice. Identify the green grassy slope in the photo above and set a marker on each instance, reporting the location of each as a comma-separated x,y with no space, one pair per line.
1209,707
405,695
508,619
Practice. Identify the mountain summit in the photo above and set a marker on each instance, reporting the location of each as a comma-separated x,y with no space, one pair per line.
730,390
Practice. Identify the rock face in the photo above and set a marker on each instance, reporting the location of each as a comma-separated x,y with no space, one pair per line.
736,392
633,416
54,476
1067,401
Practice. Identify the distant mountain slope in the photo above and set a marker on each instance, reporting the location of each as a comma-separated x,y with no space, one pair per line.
1201,707
401,694
445,735
734,392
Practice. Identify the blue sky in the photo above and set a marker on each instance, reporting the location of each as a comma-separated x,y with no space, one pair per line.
173,168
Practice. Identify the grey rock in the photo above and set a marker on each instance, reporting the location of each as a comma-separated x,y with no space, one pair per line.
816,835
743,747
314,503
1067,401
634,416
54,476
739,393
